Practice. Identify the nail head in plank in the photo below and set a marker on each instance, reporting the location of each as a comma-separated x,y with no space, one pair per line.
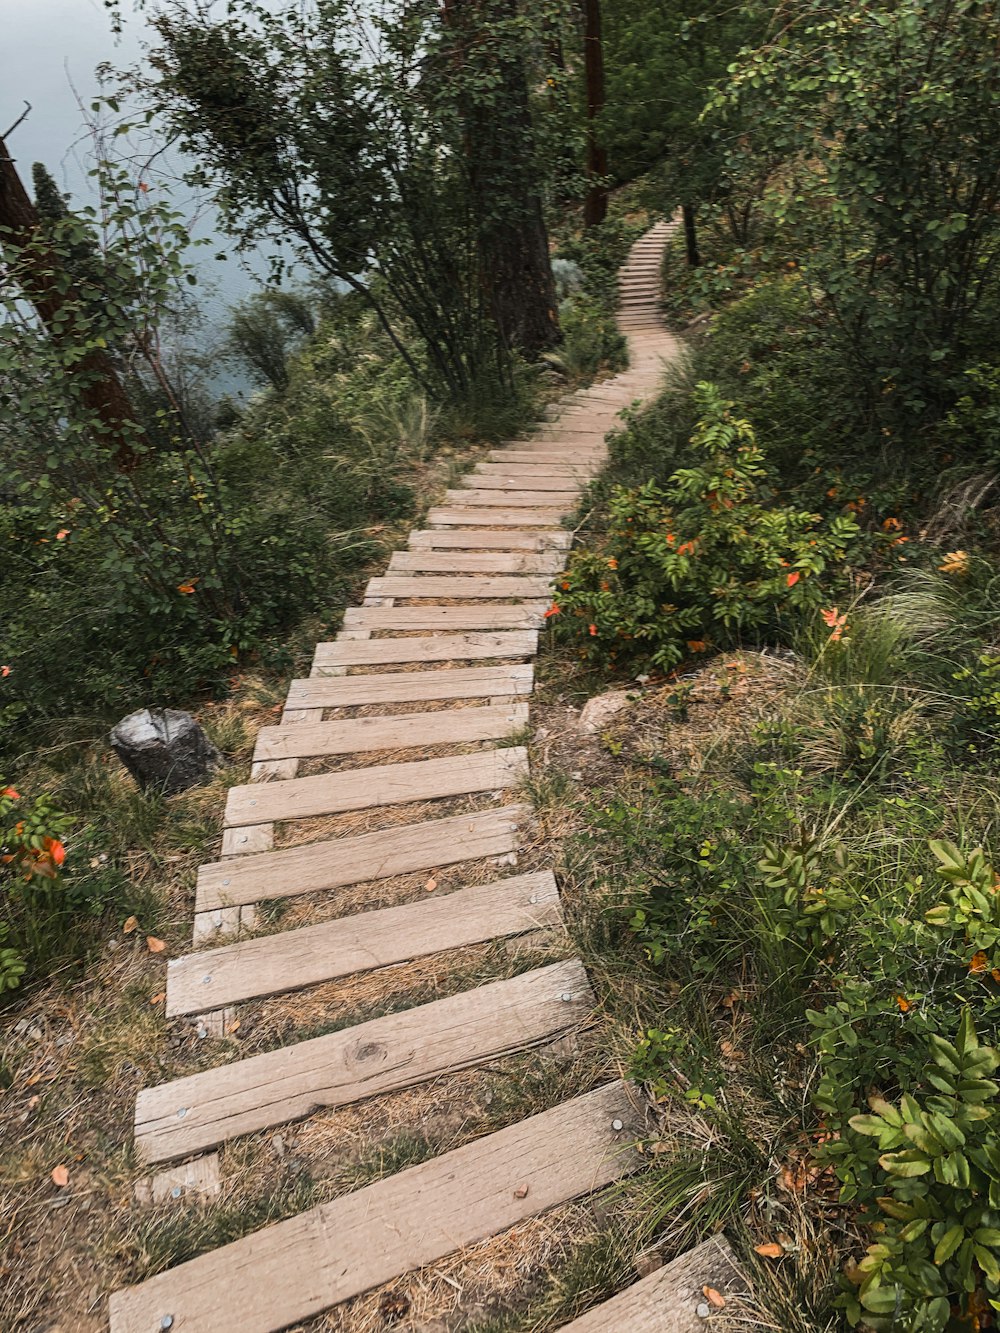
399,731
363,942
336,862
367,1060
376,786
293,1270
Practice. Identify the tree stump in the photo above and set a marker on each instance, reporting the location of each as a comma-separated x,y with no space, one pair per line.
164,749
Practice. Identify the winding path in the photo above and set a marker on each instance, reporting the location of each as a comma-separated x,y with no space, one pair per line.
438,655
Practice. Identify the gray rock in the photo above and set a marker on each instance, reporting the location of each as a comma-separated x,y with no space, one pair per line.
600,710
164,749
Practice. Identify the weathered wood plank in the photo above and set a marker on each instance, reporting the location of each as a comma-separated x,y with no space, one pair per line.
333,863
505,465
474,615
296,1269
667,1301
475,562
473,587
410,686
437,648
478,540
309,955
563,499
528,483
550,457
380,1056
378,785
461,513
398,732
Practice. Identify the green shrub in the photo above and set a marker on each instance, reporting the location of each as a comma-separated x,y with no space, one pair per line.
706,558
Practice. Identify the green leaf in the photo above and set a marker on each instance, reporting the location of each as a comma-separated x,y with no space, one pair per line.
948,1244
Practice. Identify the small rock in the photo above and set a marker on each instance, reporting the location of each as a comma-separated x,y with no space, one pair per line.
35,1033
278,1144
164,749
597,712
702,1310
20,1027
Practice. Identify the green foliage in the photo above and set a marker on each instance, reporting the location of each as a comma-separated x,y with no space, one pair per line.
263,329
707,557
32,854
935,1163
978,715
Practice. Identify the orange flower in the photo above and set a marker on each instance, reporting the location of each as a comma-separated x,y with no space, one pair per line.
837,623
833,492
11,794
793,578
565,586
4,671
891,525
612,563
593,629
955,562
552,611
56,850
187,588
697,645
979,962
686,548
904,1004
62,534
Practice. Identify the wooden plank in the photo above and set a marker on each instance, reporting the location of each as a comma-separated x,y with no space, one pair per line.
402,687
333,863
473,615
400,731
436,648
527,481
464,514
367,1060
378,785
529,499
475,539
364,942
473,587
551,457
667,1301
475,562
293,1270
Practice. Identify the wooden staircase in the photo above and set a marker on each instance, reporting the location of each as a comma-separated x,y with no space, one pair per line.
438,654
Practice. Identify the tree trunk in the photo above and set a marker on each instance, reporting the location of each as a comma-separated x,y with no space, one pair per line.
595,205
515,269
42,280
690,236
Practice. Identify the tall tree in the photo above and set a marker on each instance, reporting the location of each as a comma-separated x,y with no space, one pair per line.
42,268
595,204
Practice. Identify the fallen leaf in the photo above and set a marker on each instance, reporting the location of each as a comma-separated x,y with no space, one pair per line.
771,1250
232,1027
131,924
158,998
714,1298
431,884
730,1052
154,945
521,1192
60,1176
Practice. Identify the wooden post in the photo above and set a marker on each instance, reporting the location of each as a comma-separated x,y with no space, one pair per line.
43,284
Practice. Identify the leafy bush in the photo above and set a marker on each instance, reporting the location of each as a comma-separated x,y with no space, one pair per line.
691,565
32,854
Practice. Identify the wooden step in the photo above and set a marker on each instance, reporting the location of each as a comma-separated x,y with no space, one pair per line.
507,468
488,481
473,615
477,540
550,457
378,785
293,1270
475,589
667,1301
462,513
392,687
334,863
565,499
434,648
400,731
215,978
380,1056
475,562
